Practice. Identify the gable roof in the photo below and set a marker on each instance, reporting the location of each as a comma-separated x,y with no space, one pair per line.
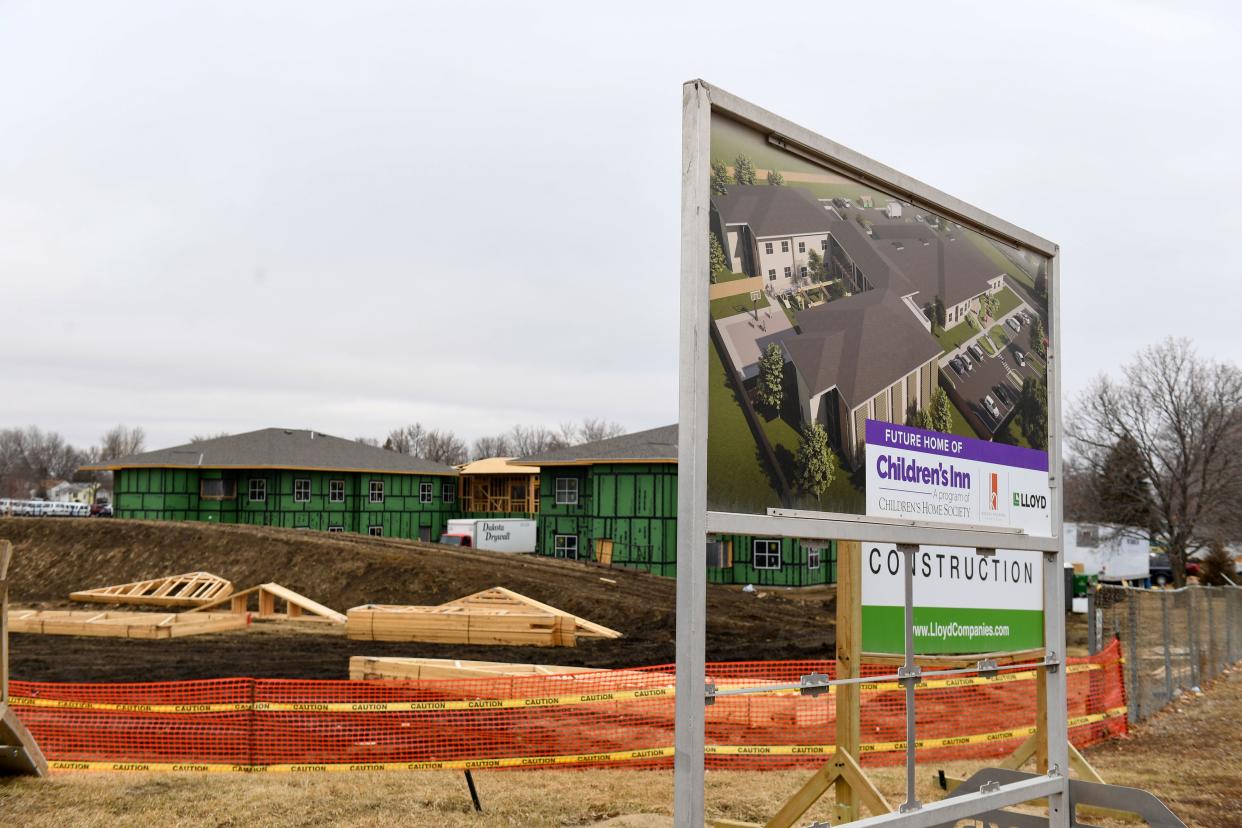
773,211
861,344
655,445
278,448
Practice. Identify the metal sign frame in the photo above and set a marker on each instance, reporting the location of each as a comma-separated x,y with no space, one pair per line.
699,101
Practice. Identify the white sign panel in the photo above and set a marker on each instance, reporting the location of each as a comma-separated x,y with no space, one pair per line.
914,474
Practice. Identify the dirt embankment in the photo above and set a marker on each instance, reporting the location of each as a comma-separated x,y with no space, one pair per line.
55,556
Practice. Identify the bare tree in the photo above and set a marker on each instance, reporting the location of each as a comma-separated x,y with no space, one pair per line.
527,440
593,430
495,446
408,439
444,447
122,440
31,457
1180,417
367,441
215,435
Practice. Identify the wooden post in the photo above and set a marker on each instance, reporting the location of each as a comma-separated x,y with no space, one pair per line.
849,653
1041,717
6,554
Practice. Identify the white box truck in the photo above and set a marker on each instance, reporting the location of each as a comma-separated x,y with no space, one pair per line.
503,535
1111,553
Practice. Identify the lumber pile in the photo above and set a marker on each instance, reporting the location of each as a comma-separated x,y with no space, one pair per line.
366,668
493,616
191,589
118,624
297,607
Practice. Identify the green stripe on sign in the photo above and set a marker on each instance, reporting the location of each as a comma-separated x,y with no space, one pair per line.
939,630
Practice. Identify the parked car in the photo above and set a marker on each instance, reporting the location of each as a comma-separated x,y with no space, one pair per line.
956,365
1020,357
1001,393
1026,317
976,352
990,404
1014,323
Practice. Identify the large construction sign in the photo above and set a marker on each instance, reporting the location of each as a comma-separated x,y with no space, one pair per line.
871,355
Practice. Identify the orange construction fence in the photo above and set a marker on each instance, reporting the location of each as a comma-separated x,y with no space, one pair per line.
615,718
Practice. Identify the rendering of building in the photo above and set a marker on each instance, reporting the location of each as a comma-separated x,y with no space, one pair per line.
865,350
290,478
615,502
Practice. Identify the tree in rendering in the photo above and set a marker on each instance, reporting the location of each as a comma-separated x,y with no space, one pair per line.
1041,281
1033,411
1182,415
815,266
775,179
1037,338
720,178
938,313
743,170
941,412
716,255
921,419
771,377
816,462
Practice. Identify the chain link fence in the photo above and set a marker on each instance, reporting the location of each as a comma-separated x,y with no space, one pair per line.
1172,640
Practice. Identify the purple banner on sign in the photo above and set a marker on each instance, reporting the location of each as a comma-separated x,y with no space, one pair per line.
891,435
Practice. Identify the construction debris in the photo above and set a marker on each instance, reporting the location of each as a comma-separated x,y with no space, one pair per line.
192,589
116,624
295,605
493,616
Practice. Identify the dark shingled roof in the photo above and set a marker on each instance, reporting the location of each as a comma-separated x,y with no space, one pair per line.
653,445
773,211
279,448
861,344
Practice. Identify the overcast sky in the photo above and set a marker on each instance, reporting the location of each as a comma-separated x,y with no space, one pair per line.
349,216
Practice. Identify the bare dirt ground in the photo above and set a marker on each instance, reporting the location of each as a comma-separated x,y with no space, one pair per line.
53,557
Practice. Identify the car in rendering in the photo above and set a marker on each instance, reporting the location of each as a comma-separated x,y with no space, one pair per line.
1020,357
990,405
976,352
1026,317
1014,323
1001,393
956,365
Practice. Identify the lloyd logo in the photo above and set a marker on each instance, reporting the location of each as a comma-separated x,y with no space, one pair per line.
1030,501
994,492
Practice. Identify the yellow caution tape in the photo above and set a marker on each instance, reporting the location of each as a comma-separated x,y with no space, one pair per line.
487,704
566,759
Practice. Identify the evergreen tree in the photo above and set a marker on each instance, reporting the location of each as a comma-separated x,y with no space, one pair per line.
941,412
716,255
743,170
816,462
938,313
921,419
771,389
775,179
1123,492
720,178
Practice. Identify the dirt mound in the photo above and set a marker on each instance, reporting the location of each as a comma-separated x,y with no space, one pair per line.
54,556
